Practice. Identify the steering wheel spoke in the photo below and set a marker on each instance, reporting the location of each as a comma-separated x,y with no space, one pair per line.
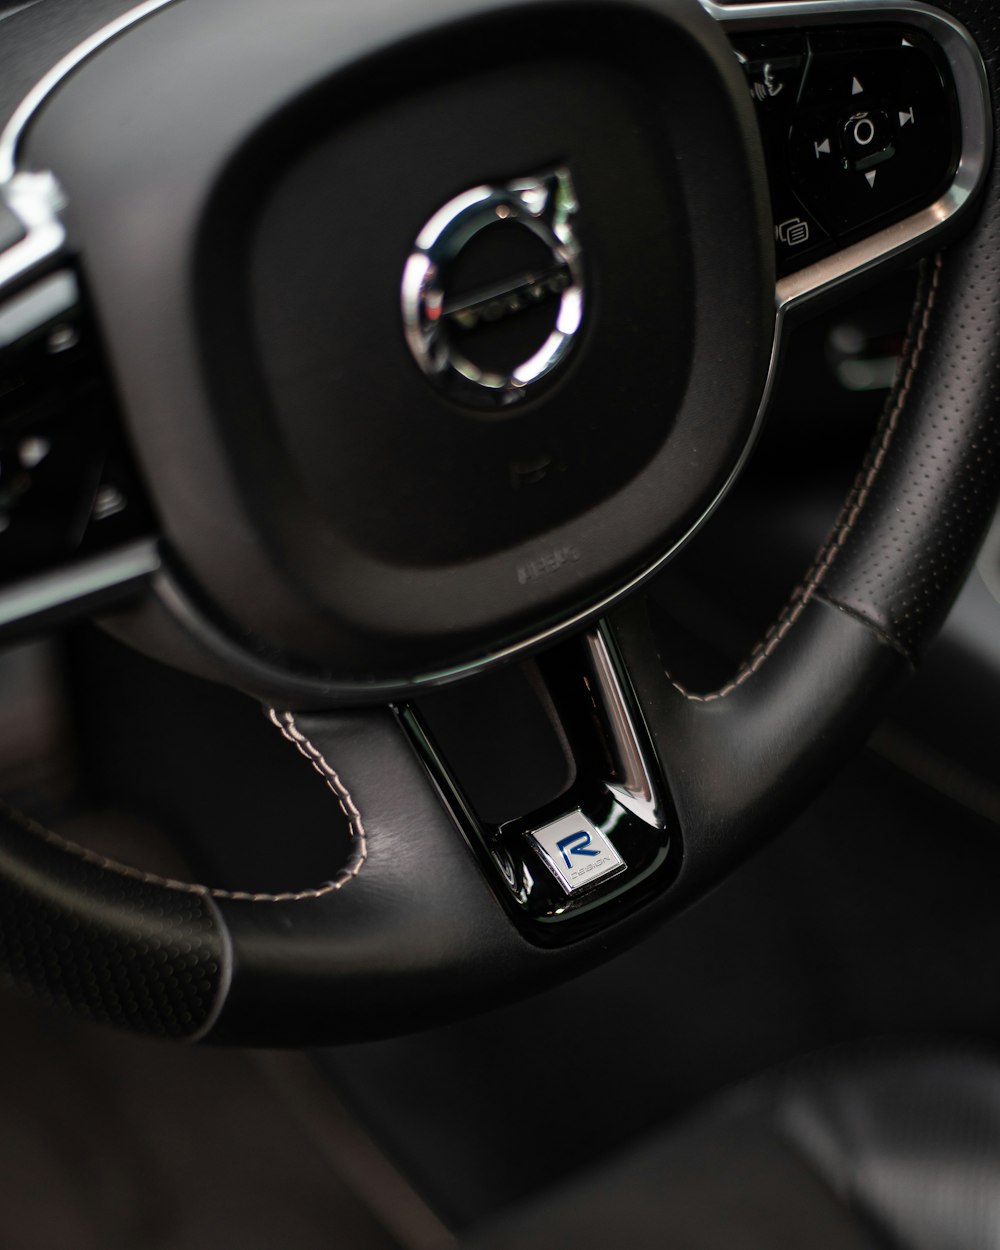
591,829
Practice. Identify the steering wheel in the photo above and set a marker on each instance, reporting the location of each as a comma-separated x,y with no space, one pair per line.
378,356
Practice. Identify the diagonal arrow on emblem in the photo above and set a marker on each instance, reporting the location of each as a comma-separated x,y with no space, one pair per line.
575,844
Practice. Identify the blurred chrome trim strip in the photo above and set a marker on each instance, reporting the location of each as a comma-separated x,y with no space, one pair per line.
40,596
35,199
43,301
13,132
636,791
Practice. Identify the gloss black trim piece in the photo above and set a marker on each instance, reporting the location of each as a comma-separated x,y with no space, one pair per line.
617,788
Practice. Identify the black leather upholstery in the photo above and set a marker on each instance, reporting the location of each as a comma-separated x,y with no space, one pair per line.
739,765
886,1152
111,944
928,507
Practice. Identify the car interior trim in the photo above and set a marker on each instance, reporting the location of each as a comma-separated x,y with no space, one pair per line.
35,200
419,937
971,87
637,790
13,132
86,582
286,723
39,304
853,508
615,790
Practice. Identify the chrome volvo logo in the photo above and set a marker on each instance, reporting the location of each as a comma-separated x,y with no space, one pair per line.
491,342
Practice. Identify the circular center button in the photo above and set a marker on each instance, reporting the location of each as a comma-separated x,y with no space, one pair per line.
866,135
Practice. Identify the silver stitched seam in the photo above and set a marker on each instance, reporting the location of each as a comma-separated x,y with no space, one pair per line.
284,721
846,520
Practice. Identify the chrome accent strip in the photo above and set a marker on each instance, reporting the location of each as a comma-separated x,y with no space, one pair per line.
971,87
13,132
35,199
636,791
37,305
48,592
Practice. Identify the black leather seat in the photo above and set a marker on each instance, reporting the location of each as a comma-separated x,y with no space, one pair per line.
856,1152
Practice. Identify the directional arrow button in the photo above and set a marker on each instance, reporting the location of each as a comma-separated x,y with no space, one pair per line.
870,176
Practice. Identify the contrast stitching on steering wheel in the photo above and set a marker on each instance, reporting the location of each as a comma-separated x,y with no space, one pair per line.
853,505
286,723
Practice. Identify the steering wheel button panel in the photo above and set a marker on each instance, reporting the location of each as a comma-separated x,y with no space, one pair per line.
874,134
860,127
774,65
799,236
578,854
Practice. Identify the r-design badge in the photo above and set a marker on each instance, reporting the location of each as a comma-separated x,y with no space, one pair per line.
492,294
576,852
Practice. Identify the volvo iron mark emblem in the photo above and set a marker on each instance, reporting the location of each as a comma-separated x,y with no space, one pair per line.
492,292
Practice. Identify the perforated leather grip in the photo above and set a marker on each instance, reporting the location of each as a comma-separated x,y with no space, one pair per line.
921,506
108,943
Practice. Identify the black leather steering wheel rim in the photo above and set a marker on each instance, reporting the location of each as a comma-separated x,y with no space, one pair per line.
409,923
